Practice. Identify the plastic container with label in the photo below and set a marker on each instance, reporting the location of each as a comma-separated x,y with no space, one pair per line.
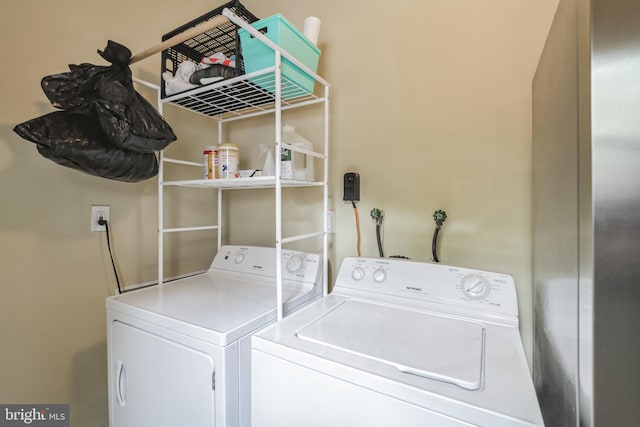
210,162
228,160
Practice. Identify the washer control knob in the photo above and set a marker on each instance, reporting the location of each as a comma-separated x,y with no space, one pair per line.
295,263
475,286
238,257
357,274
379,275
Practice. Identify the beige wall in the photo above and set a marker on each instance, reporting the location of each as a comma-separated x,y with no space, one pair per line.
430,104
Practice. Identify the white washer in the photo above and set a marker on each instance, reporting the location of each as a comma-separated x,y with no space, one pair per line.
180,354
397,343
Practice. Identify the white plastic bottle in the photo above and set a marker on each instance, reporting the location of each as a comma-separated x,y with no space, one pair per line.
294,165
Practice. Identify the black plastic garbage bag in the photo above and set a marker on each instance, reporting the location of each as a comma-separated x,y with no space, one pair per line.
85,83
76,140
127,119
131,127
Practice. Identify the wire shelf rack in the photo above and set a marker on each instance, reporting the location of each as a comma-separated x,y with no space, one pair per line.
243,96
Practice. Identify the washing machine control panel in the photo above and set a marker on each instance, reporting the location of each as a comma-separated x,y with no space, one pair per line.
430,282
298,266
294,262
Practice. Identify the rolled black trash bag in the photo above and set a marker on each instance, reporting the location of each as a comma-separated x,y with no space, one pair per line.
76,140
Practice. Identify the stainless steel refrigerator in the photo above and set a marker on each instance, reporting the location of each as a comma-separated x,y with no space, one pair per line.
586,216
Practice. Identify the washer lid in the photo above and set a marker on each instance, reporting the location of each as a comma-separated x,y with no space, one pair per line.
428,345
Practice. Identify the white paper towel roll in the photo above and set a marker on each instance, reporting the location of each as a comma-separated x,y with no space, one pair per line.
311,28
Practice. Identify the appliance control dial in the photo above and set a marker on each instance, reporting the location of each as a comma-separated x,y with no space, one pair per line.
238,257
357,274
474,286
379,275
295,263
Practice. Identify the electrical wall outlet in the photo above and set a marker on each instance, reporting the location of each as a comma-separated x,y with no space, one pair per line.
97,213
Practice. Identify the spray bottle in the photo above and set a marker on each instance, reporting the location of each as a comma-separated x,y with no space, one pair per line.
268,169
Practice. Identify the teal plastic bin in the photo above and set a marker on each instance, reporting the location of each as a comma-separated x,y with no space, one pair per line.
258,56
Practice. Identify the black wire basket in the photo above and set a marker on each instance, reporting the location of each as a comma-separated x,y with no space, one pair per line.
223,38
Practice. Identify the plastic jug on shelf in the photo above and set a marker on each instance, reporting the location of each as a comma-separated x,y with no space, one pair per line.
294,165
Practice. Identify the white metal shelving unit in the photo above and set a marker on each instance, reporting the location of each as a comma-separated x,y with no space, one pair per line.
241,98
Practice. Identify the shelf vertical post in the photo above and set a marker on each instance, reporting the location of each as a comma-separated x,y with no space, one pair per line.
325,245
219,224
160,206
278,184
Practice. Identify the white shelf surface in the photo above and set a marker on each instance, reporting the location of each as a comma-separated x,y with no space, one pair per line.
241,183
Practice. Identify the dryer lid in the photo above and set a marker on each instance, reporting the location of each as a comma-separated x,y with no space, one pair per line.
413,342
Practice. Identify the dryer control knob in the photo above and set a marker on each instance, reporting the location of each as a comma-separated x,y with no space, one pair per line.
357,274
380,275
295,263
238,257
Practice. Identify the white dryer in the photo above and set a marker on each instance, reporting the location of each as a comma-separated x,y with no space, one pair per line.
397,343
180,354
